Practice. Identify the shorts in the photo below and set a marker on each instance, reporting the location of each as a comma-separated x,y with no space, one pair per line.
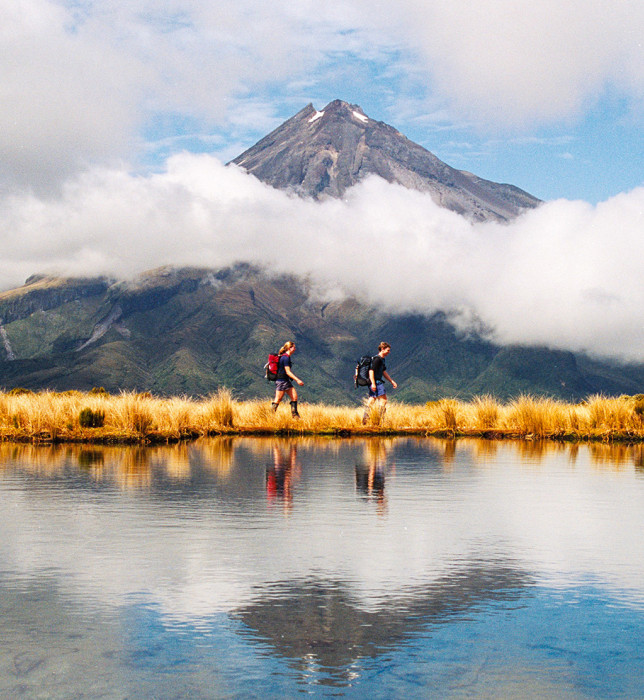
283,384
380,391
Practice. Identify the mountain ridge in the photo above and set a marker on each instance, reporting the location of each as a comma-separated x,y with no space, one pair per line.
189,331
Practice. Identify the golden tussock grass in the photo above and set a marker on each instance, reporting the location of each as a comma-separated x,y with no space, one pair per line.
140,417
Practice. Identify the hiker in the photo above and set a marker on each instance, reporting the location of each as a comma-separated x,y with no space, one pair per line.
377,391
285,379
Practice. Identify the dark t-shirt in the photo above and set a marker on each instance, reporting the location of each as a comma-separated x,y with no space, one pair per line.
285,361
378,366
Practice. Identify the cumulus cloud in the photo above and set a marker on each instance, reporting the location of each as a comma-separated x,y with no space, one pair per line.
567,274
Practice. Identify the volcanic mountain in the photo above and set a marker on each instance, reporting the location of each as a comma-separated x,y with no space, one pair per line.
192,330
322,153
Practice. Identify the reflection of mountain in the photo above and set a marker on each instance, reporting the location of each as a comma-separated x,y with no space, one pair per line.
318,622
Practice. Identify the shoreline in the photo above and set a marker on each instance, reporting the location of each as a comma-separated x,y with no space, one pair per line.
158,438
139,418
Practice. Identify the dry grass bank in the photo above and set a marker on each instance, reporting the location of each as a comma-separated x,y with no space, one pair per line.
132,417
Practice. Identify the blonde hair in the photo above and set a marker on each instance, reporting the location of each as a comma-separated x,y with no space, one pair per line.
286,347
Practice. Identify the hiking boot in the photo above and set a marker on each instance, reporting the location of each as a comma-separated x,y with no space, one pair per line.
274,406
294,412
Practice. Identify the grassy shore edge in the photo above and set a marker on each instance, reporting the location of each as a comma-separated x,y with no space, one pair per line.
140,418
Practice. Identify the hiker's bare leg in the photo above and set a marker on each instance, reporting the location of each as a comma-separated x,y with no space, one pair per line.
279,395
367,410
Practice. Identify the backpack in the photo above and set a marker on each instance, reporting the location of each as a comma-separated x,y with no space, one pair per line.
271,367
361,374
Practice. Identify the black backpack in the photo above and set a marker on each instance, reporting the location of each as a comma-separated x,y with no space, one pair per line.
361,375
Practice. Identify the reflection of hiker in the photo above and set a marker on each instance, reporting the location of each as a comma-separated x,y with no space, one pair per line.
280,475
377,391
370,480
370,477
285,379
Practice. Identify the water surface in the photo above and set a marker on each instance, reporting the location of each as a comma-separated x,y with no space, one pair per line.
252,567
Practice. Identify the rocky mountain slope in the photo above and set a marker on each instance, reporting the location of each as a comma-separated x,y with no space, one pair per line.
323,153
190,331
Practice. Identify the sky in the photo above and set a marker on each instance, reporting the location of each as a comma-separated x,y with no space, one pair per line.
117,118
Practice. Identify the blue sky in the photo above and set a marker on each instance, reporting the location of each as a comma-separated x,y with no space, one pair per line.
116,118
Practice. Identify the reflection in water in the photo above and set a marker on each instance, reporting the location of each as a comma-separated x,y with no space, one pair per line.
371,474
449,453
319,622
282,473
217,455
88,458
132,466
638,457
458,567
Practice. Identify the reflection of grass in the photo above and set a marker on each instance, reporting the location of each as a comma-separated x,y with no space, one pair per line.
132,417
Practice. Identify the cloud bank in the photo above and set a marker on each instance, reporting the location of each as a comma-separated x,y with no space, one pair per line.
567,274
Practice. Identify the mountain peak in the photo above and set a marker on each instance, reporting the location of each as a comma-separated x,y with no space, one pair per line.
345,109
321,153
337,109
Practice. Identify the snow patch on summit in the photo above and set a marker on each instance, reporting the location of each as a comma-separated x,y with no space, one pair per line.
359,116
316,116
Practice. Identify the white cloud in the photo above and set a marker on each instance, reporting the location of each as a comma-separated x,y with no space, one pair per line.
64,95
567,274
517,61
82,81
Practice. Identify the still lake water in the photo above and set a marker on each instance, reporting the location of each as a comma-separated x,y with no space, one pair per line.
252,567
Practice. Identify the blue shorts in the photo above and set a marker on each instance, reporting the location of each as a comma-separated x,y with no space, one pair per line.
283,384
380,391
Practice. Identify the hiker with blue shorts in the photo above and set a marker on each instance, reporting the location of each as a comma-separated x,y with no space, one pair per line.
377,375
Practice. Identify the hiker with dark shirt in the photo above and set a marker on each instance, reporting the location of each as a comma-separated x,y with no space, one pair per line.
285,379
377,375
